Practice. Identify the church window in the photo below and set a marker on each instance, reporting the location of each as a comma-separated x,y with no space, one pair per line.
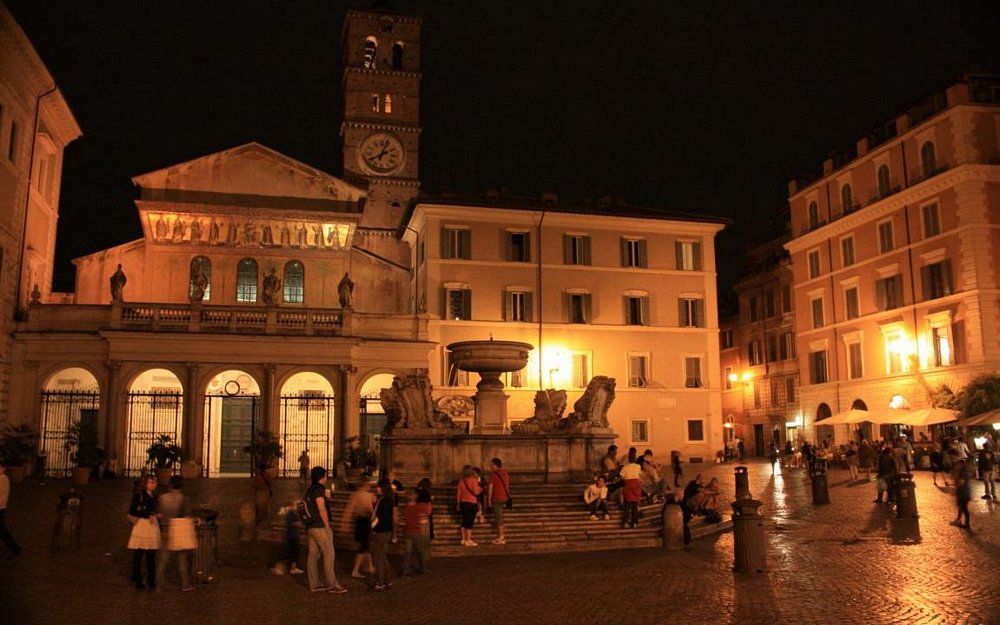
294,283
200,264
375,103
246,281
397,55
370,52
388,103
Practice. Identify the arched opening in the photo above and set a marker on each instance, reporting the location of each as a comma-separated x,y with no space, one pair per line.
154,406
372,415
397,55
246,281
200,278
307,422
846,198
813,215
822,431
294,283
928,160
68,396
370,53
884,182
864,429
232,419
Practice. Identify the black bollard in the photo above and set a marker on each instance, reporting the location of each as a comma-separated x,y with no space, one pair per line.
742,483
820,488
906,500
69,520
749,553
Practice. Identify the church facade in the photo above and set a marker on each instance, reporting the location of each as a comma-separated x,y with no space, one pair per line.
264,294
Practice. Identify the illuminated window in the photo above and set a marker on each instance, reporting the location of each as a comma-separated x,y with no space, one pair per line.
375,103
728,378
941,344
581,370
814,264
932,220
847,251
388,103
885,242
638,370
928,160
397,55
688,255
246,280
370,52
203,266
294,282
894,351
692,372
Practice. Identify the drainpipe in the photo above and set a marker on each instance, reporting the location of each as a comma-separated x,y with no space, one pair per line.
416,274
835,351
27,200
540,306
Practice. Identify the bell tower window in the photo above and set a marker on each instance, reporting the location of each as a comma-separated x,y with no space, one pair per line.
370,52
397,55
388,103
375,103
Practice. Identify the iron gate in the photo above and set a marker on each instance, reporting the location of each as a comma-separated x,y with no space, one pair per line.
148,415
59,410
306,424
373,419
231,423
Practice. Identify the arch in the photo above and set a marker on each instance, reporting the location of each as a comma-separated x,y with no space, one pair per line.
884,180
371,414
69,395
822,431
246,280
823,411
928,159
154,407
859,404
813,215
307,423
370,52
202,265
294,283
397,55
233,416
846,198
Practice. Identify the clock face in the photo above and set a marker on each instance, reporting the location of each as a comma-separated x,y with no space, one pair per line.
381,154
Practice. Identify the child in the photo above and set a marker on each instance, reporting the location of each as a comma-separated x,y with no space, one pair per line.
292,524
415,519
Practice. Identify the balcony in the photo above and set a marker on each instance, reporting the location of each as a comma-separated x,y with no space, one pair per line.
249,320
919,175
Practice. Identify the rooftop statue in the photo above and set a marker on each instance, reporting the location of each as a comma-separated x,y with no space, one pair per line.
345,291
118,281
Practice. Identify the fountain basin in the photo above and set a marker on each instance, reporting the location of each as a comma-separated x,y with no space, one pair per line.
490,356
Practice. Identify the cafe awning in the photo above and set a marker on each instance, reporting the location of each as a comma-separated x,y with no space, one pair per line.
987,418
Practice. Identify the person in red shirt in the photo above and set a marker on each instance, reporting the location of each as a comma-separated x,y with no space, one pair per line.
415,518
467,495
498,497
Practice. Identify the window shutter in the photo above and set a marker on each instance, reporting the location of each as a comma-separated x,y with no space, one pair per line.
681,312
586,250
466,304
644,305
626,320
624,251
946,276
529,309
444,303
587,309
466,238
507,245
567,299
880,294
567,249
699,313
925,282
696,251
643,261
508,305
679,254
897,288
527,247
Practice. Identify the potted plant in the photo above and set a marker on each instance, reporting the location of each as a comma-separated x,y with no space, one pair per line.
264,452
81,442
18,444
162,455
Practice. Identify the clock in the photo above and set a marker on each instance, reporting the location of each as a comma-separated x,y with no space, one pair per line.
381,154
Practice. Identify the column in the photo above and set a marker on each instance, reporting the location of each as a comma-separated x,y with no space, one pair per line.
268,396
193,437
348,421
114,413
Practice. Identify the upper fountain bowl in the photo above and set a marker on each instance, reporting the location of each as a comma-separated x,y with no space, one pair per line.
490,356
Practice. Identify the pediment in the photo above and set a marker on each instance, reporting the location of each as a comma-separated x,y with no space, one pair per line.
249,170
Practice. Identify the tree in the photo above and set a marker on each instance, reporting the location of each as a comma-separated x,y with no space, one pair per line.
980,395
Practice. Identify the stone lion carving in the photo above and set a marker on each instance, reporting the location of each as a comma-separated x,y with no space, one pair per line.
550,405
408,404
591,410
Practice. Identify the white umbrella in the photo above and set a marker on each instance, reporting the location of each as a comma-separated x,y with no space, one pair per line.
986,418
920,416
847,417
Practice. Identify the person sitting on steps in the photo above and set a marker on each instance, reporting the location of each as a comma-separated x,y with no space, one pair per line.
596,498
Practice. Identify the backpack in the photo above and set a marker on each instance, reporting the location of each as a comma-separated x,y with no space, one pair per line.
301,508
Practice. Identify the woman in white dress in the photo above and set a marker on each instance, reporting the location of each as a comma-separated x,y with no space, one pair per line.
145,537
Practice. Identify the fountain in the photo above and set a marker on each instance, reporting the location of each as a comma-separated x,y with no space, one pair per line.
490,359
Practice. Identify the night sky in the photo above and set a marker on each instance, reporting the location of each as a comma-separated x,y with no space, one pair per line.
699,107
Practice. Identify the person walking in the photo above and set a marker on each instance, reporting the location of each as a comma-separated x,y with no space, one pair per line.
962,476
851,455
5,536
773,457
415,519
180,539
290,561
885,472
358,519
987,467
320,533
498,497
741,448
425,494
937,464
144,539
596,498
466,495
382,530
632,490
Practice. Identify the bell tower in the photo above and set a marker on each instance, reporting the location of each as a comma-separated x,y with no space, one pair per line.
381,126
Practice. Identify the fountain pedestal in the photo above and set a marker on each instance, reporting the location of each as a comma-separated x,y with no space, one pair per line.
490,359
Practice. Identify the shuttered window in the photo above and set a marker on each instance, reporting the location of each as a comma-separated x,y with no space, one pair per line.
634,253
638,370
691,312
936,279
576,249
688,255
636,310
817,312
457,304
456,243
692,372
518,306
817,367
578,307
854,367
851,303
889,292
519,247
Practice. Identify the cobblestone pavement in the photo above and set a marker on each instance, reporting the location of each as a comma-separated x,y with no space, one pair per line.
847,562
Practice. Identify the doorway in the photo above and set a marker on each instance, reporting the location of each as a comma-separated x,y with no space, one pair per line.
236,432
758,439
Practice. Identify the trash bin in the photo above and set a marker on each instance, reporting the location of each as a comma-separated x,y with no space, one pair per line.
820,487
69,520
207,552
742,483
906,500
673,526
748,537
